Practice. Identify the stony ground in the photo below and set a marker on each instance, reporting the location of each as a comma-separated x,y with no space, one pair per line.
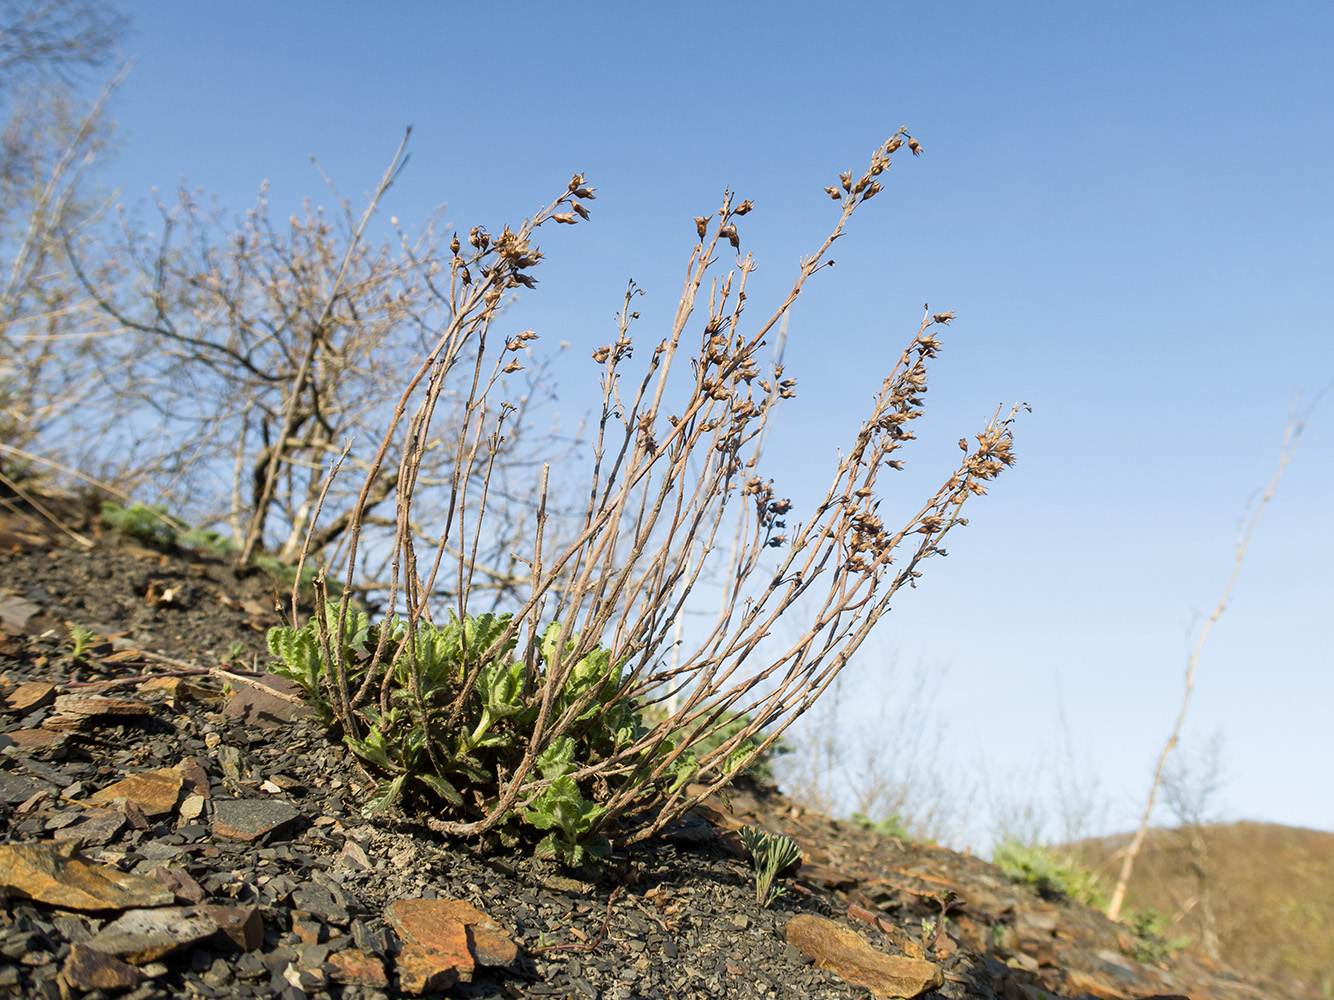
169,831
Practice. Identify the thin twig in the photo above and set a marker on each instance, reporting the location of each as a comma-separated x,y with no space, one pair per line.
1291,436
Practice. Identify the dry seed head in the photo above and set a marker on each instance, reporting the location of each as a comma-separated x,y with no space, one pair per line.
846,179
579,210
602,354
732,237
479,238
833,193
944,317
915,146
512,367
744,207
455,245
701,221
565,218
576,182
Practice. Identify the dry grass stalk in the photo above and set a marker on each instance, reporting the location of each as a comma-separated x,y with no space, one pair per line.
673,462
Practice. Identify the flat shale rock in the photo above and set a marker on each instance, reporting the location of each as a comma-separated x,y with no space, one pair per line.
16,788
89,969
142,936
842,950
155,792
55,874
356,968
28,697
443,941
96,826
266,709
31,739
250,819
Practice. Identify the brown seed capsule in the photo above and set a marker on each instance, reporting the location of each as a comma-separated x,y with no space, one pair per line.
454,245
700,222
744,207
833,193
915,146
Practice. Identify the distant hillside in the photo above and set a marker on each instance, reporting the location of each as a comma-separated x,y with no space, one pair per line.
1270,888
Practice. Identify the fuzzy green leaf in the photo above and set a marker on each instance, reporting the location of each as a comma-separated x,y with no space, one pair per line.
386,794
441,787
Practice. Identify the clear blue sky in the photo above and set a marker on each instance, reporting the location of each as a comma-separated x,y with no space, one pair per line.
1128,206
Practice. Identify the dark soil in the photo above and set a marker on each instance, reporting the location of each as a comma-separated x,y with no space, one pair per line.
674,918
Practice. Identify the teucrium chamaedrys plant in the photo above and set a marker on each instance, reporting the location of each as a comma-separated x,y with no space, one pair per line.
675,471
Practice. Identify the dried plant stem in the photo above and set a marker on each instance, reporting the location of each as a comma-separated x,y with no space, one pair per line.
674,479
1291,435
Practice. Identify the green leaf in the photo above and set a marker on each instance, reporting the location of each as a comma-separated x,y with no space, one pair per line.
386,794
371,749
557,759
442,788
297,657
684,770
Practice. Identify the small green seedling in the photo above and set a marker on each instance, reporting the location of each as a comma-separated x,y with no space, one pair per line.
80,640
769,854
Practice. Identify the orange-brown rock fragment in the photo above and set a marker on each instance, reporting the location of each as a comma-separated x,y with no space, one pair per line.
27,697
1087,983
55,874
355,968
444,937
420,971
155,792
87,969
843,951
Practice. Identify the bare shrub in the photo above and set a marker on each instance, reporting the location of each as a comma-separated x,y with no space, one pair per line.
52,352
262,348
673,463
